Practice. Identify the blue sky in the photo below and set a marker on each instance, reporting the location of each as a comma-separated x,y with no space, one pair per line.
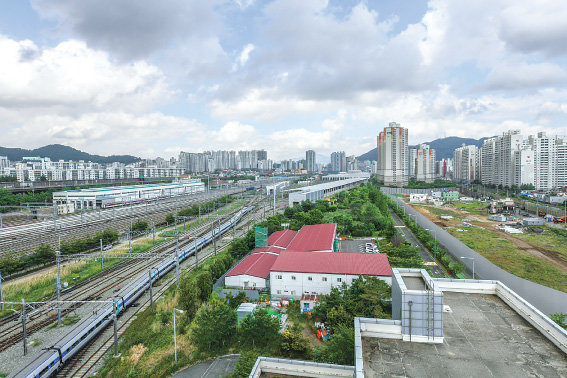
153,78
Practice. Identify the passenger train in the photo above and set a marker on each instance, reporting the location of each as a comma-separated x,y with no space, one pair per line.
49,361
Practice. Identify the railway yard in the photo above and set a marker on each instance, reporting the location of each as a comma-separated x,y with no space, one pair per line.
41,321
24,237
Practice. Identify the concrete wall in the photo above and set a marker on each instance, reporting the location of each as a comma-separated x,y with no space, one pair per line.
299,368
546,299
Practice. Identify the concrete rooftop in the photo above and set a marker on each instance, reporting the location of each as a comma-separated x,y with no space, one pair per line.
484,337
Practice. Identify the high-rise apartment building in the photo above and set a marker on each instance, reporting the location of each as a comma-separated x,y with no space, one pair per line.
498,156
545,162
392,145
425,164
311,165
466,164
561,165
338,161
411,162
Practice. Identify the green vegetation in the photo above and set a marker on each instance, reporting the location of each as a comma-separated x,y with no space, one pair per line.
413,184
509,257
67,320
202,209
244,364
441,254
7,198
44,254
214,326
559,318
140,226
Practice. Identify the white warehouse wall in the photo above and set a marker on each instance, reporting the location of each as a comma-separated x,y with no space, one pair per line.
244,279
287,287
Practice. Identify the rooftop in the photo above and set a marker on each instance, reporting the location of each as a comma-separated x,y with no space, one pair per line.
316,237
372,264
281,238
484,337
256,264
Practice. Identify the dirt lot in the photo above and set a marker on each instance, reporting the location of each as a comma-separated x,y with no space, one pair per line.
555,257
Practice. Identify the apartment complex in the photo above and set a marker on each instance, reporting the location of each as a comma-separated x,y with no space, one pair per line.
392,145
44,169
466,164
509,160
210,161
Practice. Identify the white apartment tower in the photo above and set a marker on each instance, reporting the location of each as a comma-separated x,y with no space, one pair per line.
425,164
498,156
310,161
466,164
392,145
545,162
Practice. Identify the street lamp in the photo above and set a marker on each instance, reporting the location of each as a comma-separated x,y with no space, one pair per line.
174,333
470,258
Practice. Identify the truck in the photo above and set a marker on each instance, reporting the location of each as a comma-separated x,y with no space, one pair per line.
562,219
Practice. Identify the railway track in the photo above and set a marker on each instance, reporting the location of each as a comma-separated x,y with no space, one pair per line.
96,287
92,354
89,358
25,238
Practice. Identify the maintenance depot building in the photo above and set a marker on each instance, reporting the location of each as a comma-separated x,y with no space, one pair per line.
303,262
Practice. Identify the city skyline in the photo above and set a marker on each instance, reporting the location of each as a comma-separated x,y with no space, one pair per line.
77,76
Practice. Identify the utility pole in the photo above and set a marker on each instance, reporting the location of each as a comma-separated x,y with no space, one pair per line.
24,326
1,295
115,318
58,287
130,239
151,291
214,236
101,256
177,260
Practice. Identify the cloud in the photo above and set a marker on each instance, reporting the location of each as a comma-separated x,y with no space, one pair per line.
535,27
70,77
131,29
524,76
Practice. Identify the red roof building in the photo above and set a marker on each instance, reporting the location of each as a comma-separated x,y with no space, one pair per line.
315,238
256,264
281,238
348,263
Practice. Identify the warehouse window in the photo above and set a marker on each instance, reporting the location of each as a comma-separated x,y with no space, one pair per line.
310,278
324,279
279,291
279,277
293,277
339,279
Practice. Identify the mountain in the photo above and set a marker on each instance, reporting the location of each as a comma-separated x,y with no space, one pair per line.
444,147
59,152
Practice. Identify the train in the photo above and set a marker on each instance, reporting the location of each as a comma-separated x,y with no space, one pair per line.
53,357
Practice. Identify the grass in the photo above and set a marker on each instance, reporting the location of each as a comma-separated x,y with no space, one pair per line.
40,286
509,257
441,211
548,240
67,320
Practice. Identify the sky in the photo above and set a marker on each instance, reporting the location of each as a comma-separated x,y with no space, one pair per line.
153,78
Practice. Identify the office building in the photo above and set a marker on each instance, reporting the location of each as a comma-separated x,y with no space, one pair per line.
392,145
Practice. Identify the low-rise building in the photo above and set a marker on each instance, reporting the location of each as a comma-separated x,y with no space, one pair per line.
296,273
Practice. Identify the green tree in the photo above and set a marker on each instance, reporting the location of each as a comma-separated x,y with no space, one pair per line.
294,344
245,364
214,325
204,280
259,329
139,226
339,316
340,347
189,295
559,318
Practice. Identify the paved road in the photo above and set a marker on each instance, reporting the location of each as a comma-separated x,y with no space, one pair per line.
220,367
410,237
